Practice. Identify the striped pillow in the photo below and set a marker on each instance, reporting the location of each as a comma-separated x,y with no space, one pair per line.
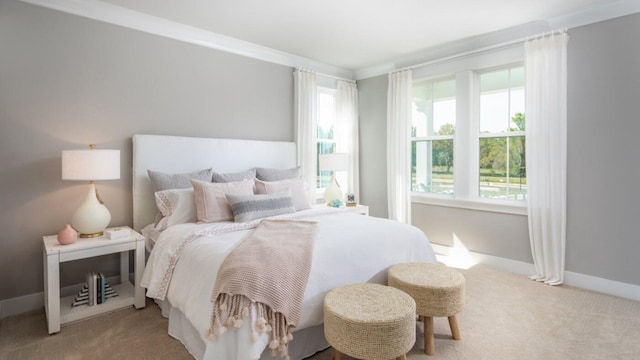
250,207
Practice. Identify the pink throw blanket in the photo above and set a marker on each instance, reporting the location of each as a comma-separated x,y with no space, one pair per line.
270,269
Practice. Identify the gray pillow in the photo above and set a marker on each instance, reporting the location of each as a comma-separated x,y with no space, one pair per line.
270,174
233,177
162,181
250,207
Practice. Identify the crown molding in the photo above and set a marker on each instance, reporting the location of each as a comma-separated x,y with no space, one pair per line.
117,15
583,17
595,14
454,50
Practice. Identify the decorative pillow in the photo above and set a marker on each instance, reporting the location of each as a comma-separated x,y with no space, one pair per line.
231,177
250,207
270,174
178,206
211,203
162,181
298,189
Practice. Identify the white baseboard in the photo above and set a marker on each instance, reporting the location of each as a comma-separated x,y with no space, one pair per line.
32,302
588,282
611,287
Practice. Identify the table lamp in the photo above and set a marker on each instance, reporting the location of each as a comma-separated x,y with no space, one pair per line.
92,217
333,162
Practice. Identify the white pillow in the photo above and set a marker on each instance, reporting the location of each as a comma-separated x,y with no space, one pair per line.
297,187
177,206
211,203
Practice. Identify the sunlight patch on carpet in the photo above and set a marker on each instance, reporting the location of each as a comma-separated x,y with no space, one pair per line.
458,255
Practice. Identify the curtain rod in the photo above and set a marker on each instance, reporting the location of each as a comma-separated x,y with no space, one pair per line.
502,45
326,75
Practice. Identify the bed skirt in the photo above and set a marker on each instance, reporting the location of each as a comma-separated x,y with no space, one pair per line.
306,342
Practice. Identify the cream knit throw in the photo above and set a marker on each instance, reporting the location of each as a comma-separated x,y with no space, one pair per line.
269,269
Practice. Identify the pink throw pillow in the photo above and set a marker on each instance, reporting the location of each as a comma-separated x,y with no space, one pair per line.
211,202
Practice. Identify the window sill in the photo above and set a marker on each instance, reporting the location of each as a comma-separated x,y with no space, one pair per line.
505,207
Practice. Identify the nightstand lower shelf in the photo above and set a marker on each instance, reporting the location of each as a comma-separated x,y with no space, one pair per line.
124,299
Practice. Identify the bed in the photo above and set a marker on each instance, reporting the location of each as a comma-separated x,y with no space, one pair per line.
349,248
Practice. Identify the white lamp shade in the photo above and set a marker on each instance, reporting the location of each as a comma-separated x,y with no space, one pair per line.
91,164
334,162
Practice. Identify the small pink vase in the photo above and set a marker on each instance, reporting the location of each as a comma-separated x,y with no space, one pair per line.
67,235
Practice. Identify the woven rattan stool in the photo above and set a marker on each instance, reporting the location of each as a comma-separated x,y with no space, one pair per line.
369,321
438,292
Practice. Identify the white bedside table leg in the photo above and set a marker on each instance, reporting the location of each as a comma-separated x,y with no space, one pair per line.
124,266
139,300
52,291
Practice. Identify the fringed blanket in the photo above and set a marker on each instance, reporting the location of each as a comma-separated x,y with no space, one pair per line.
166,253
270,269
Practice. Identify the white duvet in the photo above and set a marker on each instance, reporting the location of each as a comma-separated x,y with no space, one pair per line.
350,248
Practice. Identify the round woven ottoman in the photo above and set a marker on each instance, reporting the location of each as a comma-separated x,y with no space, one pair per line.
438,292
369,321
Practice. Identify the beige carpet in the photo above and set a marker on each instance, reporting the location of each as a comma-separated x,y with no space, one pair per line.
506,317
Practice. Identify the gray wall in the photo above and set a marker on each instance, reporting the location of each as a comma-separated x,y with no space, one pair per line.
603,167
67,81
372,100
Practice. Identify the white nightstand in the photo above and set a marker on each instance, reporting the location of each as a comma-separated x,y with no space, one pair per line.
360,209
59,310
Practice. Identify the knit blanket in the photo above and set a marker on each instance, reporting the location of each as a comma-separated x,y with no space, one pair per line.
167,252
269,269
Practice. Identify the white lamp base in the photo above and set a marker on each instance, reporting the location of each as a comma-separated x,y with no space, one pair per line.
333,191
92,217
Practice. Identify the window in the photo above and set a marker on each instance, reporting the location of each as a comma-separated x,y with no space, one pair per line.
326,120
468,139
501,138
432,136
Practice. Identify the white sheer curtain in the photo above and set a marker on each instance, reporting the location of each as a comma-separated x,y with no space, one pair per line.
399,145
305,95
546,131
346,133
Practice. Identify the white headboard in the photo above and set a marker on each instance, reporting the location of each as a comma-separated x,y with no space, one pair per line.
178,154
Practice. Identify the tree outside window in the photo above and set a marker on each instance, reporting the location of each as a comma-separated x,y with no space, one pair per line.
502,170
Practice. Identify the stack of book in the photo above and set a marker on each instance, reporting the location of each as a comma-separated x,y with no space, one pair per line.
95,292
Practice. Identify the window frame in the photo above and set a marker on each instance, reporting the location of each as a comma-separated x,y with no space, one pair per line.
433,138
466,141
319,191
475,128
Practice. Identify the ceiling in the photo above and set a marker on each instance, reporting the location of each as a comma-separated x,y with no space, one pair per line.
356,34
